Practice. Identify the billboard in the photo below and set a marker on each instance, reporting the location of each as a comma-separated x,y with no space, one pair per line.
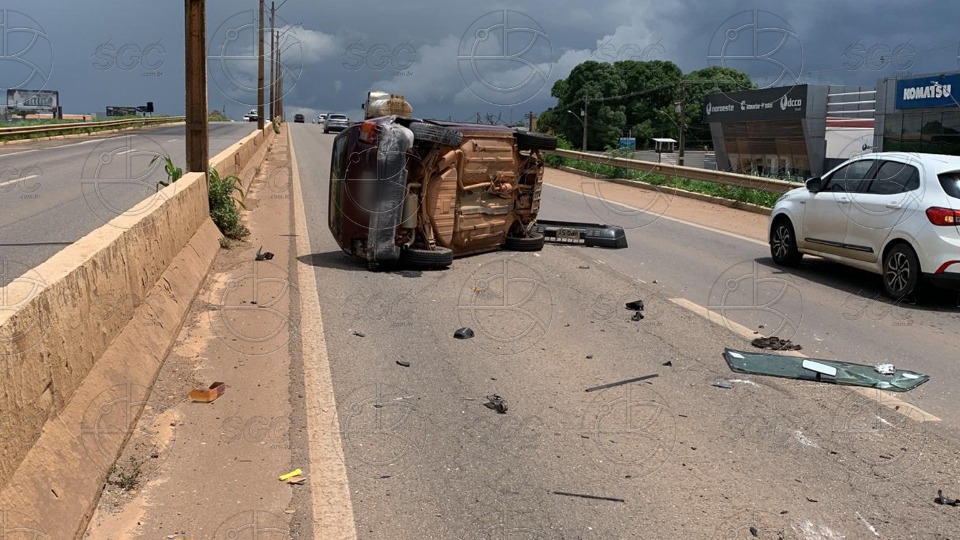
121,111
936,91
765,104
32,100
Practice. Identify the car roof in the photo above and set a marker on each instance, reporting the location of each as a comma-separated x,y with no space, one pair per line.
937,163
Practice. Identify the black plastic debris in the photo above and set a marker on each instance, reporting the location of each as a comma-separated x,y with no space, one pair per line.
722,384
359,333
620,383
261,256
463,333
754,532
403,363
774,343
593,497
496,403
636,305
637,316
945,500
668,363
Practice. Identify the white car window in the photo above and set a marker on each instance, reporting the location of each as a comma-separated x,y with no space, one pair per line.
850,178
894,177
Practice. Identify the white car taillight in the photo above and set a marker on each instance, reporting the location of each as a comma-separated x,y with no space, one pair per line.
944,217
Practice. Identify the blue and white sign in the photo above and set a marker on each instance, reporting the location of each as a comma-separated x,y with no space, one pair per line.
936,91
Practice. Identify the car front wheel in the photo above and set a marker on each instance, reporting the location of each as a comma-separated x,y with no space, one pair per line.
783,244
901,271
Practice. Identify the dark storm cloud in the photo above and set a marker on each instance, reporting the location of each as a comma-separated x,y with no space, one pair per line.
112,53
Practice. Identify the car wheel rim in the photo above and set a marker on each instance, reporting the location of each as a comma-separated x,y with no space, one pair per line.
781,241
898,272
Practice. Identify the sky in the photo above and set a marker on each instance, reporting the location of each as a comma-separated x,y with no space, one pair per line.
454,59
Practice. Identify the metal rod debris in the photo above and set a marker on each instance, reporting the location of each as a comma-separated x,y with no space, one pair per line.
619,383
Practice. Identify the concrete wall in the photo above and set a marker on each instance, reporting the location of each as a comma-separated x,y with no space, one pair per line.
100,313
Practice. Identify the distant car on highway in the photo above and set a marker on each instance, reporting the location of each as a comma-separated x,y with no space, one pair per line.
335,122
890,213
321,118
251,116
298,119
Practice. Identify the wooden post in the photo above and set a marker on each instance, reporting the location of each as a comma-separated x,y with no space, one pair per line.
260,70
196,86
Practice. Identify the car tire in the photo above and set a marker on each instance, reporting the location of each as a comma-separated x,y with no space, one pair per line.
783,243
438,257
535,141
435,134
901,271
326,131
534,242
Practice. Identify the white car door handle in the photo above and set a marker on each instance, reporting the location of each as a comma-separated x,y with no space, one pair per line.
843,200
894,205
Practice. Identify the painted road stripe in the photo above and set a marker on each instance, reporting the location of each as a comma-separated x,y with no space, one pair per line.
883,398
15,180
668,218
330,489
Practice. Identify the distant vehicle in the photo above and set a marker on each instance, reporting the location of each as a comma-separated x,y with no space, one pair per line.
890,213
321,118
251,116
298,119
335,122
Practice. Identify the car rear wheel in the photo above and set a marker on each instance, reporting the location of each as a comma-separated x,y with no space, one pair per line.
783,244
438,257
435,134
901,271
534,242
535,141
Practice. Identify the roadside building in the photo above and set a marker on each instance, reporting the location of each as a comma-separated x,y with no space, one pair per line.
789,132
919,114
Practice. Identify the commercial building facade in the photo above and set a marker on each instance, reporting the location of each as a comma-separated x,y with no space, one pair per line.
919,114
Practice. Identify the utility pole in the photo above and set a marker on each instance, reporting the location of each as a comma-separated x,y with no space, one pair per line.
683,120
530,122
260,70
273,80
196,85
586,113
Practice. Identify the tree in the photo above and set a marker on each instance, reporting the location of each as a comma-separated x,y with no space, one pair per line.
698,84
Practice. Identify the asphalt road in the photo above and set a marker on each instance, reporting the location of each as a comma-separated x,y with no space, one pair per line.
671,456
52,193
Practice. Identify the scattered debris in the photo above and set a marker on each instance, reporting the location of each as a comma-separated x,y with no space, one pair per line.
463,333
803,439
298,480
637,316
810,499
496,403
774,343
619,383
668,363
210,394
359,333
403,363
827,371
754,532
636,305
744,381
291,474
867,523
722,384
261,256
594,497
583,267
589,357
885,369
945,500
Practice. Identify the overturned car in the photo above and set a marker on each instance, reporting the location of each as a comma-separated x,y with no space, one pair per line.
419,192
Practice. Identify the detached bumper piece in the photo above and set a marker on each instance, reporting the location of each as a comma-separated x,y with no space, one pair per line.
589,234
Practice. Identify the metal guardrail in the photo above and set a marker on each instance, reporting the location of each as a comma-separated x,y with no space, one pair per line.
55,128
668,169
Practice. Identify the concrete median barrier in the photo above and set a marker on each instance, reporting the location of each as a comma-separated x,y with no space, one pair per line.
82,337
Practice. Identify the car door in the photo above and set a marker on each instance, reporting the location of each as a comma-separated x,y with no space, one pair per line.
825,214
891,197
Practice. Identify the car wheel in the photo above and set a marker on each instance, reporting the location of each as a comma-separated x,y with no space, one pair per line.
783,244
901,271
534,242
435,134
438,257
535,141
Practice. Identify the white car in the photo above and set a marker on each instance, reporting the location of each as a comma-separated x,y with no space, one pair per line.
321,118
890,213
251,116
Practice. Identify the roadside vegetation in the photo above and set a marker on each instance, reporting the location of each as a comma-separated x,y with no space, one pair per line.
66,129
225,197
733,193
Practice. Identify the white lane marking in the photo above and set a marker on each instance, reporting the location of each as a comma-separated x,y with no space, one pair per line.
15,180
330,489
883,398
20,153
668,218
172,140
126,152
